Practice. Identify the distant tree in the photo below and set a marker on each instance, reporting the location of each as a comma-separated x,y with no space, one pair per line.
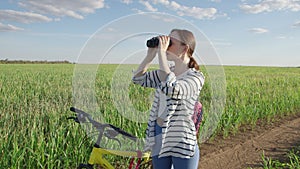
6,61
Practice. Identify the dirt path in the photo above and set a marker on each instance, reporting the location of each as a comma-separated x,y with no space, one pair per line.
245,149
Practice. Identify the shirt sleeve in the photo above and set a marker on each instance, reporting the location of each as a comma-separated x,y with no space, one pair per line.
148,79
182,88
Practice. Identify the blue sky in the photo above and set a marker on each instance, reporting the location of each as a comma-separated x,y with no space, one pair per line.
243,32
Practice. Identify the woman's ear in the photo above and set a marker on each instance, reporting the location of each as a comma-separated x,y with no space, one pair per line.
186,48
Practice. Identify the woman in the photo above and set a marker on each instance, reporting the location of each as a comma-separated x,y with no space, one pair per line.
171,134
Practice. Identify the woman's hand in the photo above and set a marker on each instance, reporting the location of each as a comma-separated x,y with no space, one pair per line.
164,42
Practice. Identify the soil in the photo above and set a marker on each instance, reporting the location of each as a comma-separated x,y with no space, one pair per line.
245,149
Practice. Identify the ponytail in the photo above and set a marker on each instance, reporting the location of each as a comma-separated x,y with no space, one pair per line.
193,64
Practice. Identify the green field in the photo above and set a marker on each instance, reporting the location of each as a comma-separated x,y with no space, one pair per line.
35,101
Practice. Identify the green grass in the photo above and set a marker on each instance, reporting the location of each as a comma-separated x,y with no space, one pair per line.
259,93
292,161
35,101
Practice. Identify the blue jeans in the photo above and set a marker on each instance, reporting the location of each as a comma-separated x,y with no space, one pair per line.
167,162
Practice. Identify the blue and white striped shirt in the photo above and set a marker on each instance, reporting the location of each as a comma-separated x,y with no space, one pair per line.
178,130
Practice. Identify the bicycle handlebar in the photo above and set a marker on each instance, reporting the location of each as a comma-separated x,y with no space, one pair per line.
81,117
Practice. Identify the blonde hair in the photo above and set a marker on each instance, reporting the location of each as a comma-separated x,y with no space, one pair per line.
187,38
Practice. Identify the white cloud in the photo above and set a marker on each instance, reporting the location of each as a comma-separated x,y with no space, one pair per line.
148,6
199,13
258,30
272,5
8,28
163,2
296,25
23,17
127,1
174,5
74,8
196,12
281,37
181,10
165,19
138,11
110,29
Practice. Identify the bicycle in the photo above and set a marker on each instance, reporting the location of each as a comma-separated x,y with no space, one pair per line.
110,131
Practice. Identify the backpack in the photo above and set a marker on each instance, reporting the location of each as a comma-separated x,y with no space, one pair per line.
198,115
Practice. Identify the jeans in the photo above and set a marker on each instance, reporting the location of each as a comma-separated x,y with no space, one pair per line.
170,161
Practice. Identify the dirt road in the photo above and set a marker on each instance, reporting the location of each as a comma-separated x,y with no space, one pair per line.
245,149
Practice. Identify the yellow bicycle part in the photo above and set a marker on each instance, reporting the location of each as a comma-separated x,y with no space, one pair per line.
96,156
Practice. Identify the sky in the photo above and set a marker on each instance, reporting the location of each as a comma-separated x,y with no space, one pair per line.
241,32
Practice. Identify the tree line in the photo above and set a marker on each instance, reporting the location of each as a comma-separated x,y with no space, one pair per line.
6,61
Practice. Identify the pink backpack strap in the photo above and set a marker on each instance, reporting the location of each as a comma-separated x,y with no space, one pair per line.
197,116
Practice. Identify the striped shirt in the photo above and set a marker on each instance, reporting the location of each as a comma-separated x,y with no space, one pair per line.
178,130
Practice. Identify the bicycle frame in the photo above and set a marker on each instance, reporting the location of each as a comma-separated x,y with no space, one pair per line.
98,152
96,157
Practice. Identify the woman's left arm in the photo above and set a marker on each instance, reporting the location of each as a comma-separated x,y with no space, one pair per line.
162,57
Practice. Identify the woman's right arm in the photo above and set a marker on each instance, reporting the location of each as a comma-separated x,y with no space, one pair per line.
144,78
146,62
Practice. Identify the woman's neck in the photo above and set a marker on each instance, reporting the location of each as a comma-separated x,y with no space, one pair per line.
180,67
